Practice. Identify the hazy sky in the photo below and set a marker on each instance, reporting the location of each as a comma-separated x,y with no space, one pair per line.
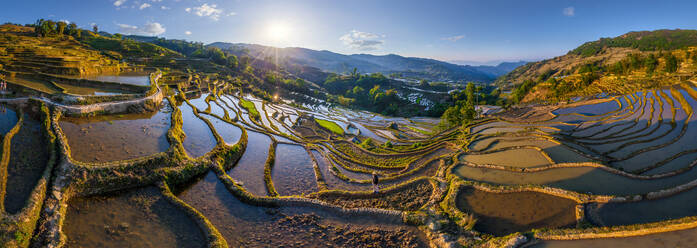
448,30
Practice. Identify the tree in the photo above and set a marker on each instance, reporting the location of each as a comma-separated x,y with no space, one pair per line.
469,90
358,90
95,28
232,61
118,36
374,90
650,63
72,29
671,63
61,27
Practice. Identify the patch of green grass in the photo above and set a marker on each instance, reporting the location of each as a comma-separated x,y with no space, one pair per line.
331,126
249,106
419,130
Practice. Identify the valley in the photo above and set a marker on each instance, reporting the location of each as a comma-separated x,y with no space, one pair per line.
136,141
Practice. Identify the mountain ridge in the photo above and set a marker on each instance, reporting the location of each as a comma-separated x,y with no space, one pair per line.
430,69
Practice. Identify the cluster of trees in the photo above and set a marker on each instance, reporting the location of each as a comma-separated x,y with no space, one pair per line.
370,92
181,46
217,56
522,90
198,50
462,112
644,41
45,28
648,63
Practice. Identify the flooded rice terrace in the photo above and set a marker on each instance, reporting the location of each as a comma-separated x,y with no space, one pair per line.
213,167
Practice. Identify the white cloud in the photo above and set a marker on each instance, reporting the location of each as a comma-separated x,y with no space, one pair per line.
454,38
231,14
156,1
66,21
118,3
362,41
144,5
211,11
150,28
187,32
569,11
164,7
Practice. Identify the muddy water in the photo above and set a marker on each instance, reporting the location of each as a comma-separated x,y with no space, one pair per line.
139,218
525,158
117,137
293,172
250,169
199,138
134,78
677,239
8,119
88,91
35,84
504,213
29,156
243,225
584,179
673,207
591,109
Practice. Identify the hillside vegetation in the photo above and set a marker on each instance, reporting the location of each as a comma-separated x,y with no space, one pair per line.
633,61
21,51
411,67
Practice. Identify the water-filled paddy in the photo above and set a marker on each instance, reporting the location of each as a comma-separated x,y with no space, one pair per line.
134,78
581,179
504,213
684,238
117,137
249,170
244,225
29,155
230,133
672,207
88,91
8,119
411,176
138,218
524,158
199,137
293,172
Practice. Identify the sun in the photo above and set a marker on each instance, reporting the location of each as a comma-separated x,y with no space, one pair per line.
278,32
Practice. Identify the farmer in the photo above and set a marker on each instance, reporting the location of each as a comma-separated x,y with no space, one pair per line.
376,189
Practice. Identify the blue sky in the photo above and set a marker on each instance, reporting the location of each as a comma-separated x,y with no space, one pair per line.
487,30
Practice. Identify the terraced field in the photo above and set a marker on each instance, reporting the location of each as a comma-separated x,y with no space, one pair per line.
628,160
213,167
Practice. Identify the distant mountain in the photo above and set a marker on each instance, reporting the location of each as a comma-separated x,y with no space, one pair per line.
365,63
500,69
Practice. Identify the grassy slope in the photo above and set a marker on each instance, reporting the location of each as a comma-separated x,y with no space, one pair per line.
249,106
331,126
604,53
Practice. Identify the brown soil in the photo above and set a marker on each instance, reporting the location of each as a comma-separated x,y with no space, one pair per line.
410,198
141,218
341,235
